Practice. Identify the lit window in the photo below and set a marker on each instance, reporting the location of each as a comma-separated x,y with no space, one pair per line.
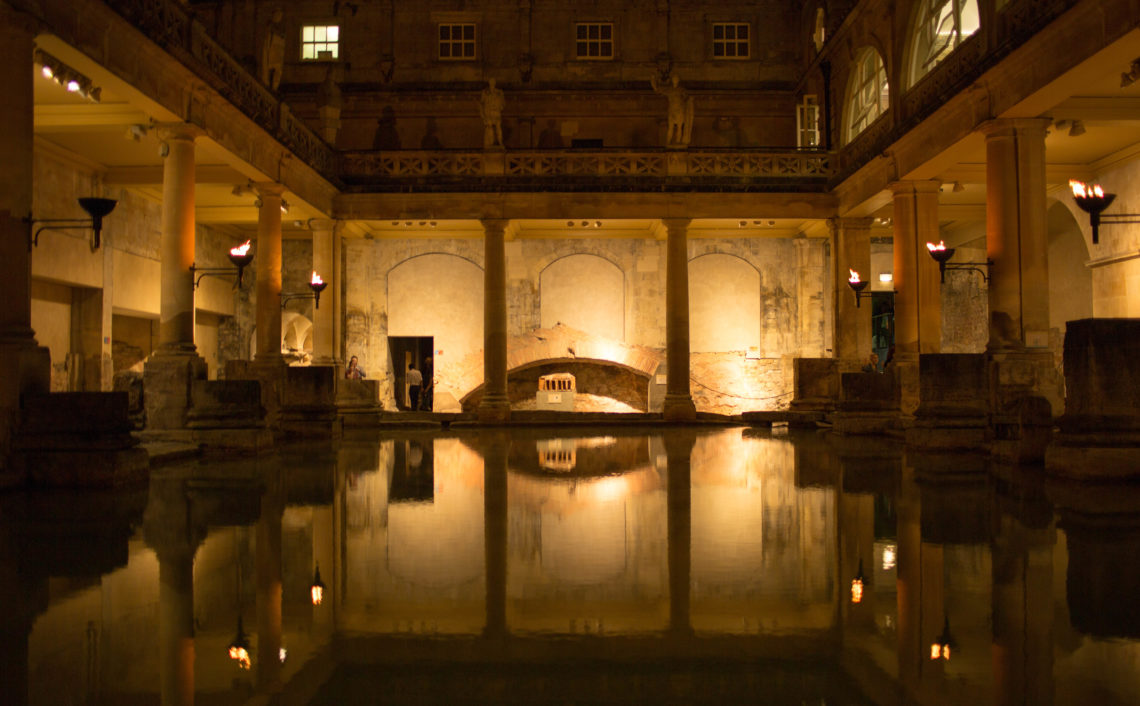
868,95
730,40
939,27
594,40
819,34
807,122
320,42
457,42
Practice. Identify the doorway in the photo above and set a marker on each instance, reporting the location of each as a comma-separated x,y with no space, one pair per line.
414,350
882,324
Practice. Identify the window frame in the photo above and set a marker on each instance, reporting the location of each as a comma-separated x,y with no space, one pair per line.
451,42
857,85
600,41
736,42
807,121
322,43
924,30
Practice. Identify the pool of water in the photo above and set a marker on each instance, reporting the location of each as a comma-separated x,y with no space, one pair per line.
668,565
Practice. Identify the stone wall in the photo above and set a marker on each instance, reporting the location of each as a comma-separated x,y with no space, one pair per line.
965,306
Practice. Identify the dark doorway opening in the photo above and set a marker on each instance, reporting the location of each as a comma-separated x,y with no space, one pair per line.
416,350
882,324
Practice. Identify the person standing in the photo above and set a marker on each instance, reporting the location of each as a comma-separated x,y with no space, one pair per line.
353,371
428,387
415,382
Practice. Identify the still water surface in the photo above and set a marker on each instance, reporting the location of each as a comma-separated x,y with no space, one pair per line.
584,566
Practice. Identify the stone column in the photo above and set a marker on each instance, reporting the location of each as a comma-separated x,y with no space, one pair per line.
26,366
678,397
495,530
496,406
325,265
1023,613
268,258
908,587
811,283
917,282
175,362
1017,243
1016,234
852,238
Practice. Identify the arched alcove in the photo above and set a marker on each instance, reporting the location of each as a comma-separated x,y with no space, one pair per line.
724,304
586,292
441,296
1070,280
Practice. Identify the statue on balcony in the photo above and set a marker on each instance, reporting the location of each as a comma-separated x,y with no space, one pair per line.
431,141
680,113
387,136
491,103
273,51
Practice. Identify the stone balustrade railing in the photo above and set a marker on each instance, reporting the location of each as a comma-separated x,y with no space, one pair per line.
171,25
743,166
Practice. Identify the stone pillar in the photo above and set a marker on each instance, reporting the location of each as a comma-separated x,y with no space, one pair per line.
852,238
175,361
918,285
495,531
679,452
496,406
268,258
678,397
857,556
811,283
1022,363
1017,234
26,366
325,265
909,582
1023,610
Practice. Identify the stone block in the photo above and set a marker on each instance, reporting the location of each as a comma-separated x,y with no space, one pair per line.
166,388
357,393
868,404
815,383
312,386
952,385
225,404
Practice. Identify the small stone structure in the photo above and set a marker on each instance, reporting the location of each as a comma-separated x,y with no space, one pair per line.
953,403
1099,433
309,401
868,403
556,391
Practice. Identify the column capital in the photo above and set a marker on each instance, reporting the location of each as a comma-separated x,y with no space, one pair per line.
495,225
269,188
915,186
1008,127
676,224
330,225
168,132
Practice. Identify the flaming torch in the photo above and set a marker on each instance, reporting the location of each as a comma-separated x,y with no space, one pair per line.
857,285
857,585
941,255
239,648
1092,200
317,589
318,285
241,257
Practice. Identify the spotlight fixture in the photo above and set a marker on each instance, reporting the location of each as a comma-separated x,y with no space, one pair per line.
1130,76
1093,200
942,254
1077,128
958,187
857,285
240,256
284,206
70,79
96,209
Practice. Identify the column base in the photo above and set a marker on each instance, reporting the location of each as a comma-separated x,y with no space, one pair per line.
27,370
679,408
167,380
494,409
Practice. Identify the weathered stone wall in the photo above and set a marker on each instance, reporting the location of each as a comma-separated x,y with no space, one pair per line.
965,306
612,288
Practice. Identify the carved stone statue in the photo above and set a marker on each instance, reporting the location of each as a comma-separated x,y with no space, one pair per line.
329,104
550,139
431,139
680,113
387,136
491,103
273,51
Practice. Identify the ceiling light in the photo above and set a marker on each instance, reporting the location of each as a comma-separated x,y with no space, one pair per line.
958,187
1077,129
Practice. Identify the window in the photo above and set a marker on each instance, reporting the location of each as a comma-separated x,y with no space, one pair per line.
819,34
730,40
594,40
457,41
939,27
807,122
320,42
868,95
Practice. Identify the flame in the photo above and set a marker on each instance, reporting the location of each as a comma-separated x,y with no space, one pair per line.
935,651
318,594
932,247
241,655
1086,191
241,250
854,276
316,278
857,591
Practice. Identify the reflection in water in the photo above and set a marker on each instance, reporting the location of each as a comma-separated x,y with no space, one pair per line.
676,566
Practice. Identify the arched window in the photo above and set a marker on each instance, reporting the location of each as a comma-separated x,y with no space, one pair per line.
819,33
939,27
868,94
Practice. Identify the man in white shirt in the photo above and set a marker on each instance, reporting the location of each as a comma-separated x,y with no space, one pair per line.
415,382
